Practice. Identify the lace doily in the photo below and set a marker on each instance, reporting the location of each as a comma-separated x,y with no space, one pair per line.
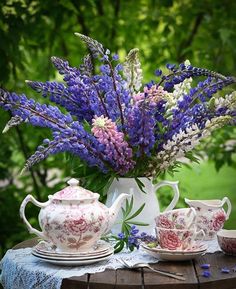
21,270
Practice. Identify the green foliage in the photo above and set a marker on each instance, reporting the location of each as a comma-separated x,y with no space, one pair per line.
128,215
31,32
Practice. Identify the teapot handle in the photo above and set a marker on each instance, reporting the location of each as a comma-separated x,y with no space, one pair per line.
27,199
226,200
175,199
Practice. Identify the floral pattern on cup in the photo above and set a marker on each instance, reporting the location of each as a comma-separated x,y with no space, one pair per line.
174,239
176,219
169,240
228,246
227,241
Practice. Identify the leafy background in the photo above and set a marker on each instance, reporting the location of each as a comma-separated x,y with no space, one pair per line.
202,31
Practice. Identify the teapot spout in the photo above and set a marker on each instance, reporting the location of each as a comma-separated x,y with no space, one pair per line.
114,210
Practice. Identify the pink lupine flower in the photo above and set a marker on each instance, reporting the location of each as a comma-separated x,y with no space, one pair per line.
154,93
151,94
116,148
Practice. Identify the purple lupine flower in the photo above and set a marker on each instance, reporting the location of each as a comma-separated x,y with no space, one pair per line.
74,140
140,123
35,113
134,231
116,148
158,72
179,74
115,57
121,236
68,134
133,242
72,99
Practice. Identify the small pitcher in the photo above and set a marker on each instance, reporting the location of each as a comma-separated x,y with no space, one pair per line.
210,215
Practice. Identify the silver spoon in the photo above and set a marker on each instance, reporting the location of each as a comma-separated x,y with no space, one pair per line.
177,276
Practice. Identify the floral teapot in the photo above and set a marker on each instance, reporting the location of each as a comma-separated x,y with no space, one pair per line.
73,219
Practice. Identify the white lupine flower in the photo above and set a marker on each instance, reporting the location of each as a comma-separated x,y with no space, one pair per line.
228,101
179,91
183,142
132,71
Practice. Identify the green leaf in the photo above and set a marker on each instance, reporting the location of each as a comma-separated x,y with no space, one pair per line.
136,213
119,246
137,223
140,185
129,207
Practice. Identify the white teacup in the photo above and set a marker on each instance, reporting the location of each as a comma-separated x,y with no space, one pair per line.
174,239
176,219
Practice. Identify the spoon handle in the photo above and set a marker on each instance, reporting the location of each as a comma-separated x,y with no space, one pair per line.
166,274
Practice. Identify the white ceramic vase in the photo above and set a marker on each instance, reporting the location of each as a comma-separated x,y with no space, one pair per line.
149,198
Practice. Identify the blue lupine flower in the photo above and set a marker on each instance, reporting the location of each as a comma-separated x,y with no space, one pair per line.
115,57
158,72
121,236
134,231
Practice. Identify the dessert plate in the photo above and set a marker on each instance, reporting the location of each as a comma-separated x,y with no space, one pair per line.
48,249
77,257
72,261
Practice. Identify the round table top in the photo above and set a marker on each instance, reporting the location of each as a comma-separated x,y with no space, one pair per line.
144,278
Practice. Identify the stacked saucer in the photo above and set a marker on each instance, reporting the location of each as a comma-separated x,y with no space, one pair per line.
197,249
49,253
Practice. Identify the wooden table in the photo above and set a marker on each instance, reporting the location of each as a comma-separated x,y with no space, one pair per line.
145,279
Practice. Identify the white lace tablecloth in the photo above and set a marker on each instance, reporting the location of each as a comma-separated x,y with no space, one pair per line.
21,270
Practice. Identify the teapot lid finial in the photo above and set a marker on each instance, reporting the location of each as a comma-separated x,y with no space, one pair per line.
73,182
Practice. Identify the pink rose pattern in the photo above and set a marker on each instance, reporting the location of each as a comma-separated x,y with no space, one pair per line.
169,239
74,229
228,245
218,221
211,222
164,222
171,221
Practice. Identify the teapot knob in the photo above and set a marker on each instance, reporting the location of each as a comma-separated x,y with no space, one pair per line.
73,182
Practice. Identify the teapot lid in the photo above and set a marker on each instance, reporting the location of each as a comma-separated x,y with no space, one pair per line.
74,192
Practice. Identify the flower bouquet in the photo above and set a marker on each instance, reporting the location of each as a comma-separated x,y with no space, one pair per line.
115,125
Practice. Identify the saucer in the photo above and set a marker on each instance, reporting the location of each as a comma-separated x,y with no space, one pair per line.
48,249
197,247
175,255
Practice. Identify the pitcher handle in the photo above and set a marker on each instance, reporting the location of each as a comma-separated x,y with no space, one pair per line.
175,199
227,201
31,199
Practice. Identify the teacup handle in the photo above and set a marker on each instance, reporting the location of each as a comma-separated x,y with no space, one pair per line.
227,201
175,199
203,235
31,199
194,217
